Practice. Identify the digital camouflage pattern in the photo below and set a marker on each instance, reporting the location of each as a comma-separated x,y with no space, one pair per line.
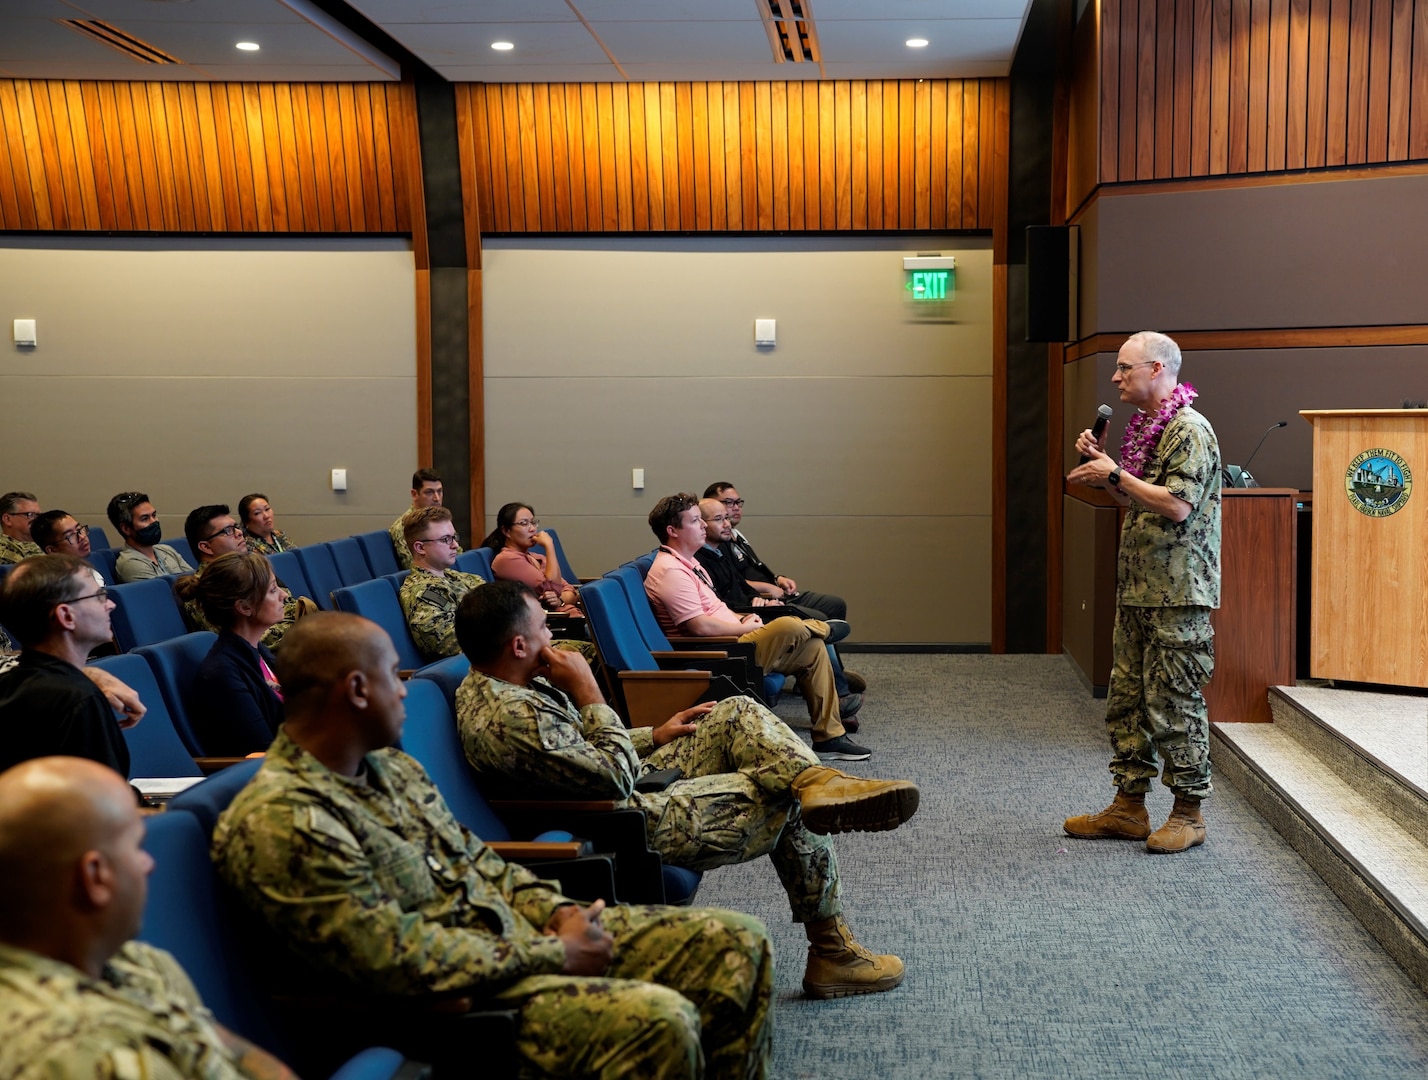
142,1021
276,546
734,802
1164,563
12,550
373,881
1162,659
292,609
429,602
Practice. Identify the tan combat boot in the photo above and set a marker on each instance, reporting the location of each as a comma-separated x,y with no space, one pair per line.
834,802
1124,819
839,967
1184,829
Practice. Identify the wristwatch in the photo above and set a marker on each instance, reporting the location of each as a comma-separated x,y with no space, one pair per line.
1115,477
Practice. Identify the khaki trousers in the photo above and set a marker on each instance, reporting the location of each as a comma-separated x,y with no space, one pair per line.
786,646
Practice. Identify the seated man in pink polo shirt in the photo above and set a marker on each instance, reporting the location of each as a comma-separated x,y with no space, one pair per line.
684,602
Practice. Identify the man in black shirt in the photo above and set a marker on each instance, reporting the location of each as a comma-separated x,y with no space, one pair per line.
58,609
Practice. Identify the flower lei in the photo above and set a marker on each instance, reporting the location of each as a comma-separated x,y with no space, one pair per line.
1144,430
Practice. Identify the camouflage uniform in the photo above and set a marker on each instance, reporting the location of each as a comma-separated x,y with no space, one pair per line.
374,882
142,1019
1168,580
429,601
12,550
733,804
292,609
279,543
399,544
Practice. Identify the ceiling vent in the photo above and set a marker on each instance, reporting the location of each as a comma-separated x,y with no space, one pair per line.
789,24
128,44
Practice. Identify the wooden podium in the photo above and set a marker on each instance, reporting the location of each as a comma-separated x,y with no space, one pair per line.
1369,619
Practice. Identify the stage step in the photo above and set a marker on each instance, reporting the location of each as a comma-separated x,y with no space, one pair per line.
1341,775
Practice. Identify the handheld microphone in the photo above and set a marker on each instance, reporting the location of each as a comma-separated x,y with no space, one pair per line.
1103,417
1239,475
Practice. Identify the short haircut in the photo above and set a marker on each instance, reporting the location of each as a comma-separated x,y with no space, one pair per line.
35,588
11,499
1156,346
248,500
425,476
666,513
121,508
319,651
415,522
195,526
224,582
490,616
45,530
716,490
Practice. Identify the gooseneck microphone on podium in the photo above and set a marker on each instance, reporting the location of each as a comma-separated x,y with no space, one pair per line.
1239,475
1103,417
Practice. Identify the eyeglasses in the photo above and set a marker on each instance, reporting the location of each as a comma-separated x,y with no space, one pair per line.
731,503
102,595
79,532
234,531
449,540
28,515
1121,369
719,517
527,523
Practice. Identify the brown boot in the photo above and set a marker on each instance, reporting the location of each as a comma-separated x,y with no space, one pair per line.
834,802
839,967
1124,819
1184,829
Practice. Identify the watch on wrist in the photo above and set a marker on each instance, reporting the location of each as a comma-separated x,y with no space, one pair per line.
1115,477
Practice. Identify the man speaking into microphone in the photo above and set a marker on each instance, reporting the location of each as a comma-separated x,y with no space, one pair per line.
1167,583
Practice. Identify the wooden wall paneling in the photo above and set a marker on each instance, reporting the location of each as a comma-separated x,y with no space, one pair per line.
56,169
699,149
291,157
319,163
543,180
733,162
748,158
513,173
39,148
337,158
369,218
590,132
1356,138
718,167
921,156
827,166
1380,51
937,157
614,175
682,119
16,168
185,168
83,151
1400,79
843,151
991,179
654,153
873,94
216,104
1418,120
999,138
382,143
576,154
639,159
1336,124
499,159
1164,86
114,155
1127,96
891,151
1241,47
1108,55
1200,58
410,194
1259,84
812,163
955,147
560,154
778,111
764,155
1221,35
1143,62
1274,139
906,147
158,186
352,154
205,176
472,147
971,121
1316,102
266,114
1296,113
529,165
252,111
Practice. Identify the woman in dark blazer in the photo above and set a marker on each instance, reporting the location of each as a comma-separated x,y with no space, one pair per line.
235,704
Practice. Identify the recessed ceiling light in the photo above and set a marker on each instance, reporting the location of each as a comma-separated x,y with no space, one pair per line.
502,46
247,46
917,43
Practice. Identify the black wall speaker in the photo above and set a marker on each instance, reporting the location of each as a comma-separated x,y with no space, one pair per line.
1051,252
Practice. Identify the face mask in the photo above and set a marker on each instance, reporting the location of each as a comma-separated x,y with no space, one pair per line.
150,536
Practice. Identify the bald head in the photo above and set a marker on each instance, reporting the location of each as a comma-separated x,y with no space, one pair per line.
321,650
717,525
53,812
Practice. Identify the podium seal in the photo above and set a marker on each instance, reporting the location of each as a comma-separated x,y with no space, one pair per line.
1378,482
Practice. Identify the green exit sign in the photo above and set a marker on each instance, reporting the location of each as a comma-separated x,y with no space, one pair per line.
930,284
929,278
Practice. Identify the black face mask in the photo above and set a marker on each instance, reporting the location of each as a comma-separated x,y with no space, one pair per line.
150,535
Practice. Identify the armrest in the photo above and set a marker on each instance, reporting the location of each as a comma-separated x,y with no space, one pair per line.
717,639
652,697
526,850
670,654
209,765
551,806
621,832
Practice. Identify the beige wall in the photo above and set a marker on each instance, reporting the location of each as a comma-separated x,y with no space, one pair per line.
862,441
199,371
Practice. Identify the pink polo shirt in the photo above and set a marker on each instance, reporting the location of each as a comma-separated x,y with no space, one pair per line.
679,590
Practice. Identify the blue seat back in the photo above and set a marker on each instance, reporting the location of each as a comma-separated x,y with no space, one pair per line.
155,748
634,586
352,566
145,612
565,569
644,562
290,572
180,544
103,559
207,800
613,627
477,561
320,570
377,547
431,737
447,674
175,666
377,600
98,539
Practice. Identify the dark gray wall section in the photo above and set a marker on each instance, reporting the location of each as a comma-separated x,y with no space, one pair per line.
1335,253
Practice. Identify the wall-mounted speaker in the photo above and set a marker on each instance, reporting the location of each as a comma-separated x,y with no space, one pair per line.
1051,285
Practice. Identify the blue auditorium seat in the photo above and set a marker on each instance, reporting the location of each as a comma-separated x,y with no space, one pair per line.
377,547
175,665
98,539
352,565
477,561
155,748
565,569
103,559
377,600
321,572
290,572
180,544
145,612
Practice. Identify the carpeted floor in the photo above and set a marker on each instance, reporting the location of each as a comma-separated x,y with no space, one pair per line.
1033,955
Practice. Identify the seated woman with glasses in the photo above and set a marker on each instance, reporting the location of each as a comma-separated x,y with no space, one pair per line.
514,540
264,538
236,704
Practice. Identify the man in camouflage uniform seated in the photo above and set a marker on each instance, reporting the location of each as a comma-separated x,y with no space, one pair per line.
426,491
212,531
78,997
533,721
1167,582
17,510
433,590
345,848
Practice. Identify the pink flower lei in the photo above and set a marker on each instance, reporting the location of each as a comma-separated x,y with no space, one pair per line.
1144,430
